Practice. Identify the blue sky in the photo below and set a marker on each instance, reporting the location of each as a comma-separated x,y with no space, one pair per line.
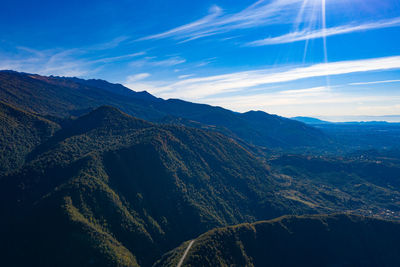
324,58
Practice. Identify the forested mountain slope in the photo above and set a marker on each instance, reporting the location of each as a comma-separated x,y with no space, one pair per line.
113,189
335,240
20,133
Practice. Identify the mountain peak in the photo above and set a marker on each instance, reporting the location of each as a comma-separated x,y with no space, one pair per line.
104,119
111,117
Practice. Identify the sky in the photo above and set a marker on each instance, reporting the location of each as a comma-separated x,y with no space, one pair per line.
330,59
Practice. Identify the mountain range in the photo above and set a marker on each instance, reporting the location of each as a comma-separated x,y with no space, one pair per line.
93,173
61,97
110,179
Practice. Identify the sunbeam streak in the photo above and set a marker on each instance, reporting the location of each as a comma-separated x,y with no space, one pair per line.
324,30
300,15
310,26
323,3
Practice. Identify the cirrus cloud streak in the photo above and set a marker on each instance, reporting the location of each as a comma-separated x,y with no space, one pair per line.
314,34
203,87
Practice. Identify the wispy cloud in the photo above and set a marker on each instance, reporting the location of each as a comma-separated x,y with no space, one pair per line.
259,89
110,44
259,14
206,62
77,62
215,11
305,92
168,62
155,62
375,82
48,62
202,87
314,34
264,13
185,76
118,58
308,103
137,77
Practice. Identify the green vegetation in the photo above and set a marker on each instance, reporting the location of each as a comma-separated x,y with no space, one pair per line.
129,190
365,186
20,133
336,240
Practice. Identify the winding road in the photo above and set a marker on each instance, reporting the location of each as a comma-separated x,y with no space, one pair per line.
184,254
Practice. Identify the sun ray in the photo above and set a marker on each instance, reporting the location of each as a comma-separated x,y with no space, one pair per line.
310,27
324,30
323,7
300,15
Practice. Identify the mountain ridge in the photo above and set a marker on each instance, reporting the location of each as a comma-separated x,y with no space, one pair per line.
63,97
320,240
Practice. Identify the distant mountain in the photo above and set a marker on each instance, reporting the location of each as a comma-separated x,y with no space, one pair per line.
385,118
347,137
315,121
116,190
336,240
310,120
60,96
367,123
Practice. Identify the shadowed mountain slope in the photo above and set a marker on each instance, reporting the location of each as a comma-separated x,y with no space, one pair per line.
116,190
335,240
20,133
